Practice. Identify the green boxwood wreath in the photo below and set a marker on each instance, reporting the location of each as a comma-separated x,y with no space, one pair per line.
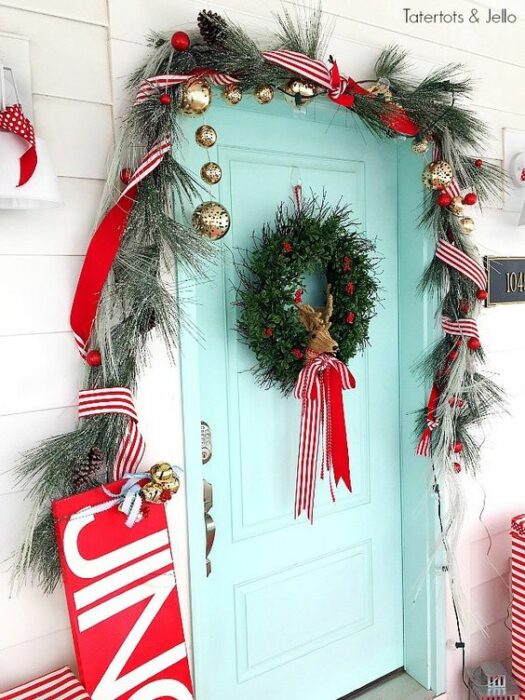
318,239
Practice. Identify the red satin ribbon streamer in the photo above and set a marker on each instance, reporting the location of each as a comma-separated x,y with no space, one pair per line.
320,387
423,446
13,119
103,248
340,90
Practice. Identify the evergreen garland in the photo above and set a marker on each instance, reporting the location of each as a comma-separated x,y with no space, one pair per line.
138,297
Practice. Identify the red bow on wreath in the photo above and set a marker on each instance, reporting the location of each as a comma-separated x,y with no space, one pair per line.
320,387
13,119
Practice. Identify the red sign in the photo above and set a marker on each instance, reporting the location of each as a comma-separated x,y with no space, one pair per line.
122,598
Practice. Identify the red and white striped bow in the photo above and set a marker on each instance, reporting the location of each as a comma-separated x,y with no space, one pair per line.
13,119
103,248
58,685
96,402
453,188
459,260
319,386
462,327
152,85
340,90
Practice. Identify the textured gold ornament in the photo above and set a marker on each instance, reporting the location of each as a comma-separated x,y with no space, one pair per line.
264,94
206,136
300,90
232,94
467,224
196,96
456,207
211,172
437,175
420,145
382,89
211,219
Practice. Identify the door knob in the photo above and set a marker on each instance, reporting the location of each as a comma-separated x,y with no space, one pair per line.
209,522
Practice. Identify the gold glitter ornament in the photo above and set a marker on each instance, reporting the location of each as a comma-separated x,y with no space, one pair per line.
232,94
301,90
437,175
211,172
196,97
264,94
211,219
206,136
456,207
420,145
467,224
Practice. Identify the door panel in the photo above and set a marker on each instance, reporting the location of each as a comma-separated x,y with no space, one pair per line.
292,610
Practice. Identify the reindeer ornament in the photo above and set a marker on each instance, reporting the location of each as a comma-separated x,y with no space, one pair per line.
317,323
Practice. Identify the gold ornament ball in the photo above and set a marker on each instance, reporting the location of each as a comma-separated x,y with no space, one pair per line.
196,97
211,172
232,94
467,224
151,492
206,136
442,174
211,219
420,145
264,94
382,88
162,473
456,207
303,89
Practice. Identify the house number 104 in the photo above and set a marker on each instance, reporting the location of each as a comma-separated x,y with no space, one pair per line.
515,282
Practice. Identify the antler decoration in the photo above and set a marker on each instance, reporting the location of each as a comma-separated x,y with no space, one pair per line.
317,323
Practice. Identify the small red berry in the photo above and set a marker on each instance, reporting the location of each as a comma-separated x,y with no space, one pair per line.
454,401
457,467
470,199
482,294
125,175
474,344
94,358
349,289
478,163
444,200
298,296
165,496
453,355
268,332
457,447
165,99
287,247
464,306
347,264
180,41
297,353
350,317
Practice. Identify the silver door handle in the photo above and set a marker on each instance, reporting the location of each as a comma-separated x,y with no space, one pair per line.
209,522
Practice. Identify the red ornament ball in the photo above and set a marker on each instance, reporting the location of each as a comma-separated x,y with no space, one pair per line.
457,447
482,294
297,353
268,332
94,358
180,41
474,344
165,99
125,175
470,199
457,467
478,163
287,247
444,200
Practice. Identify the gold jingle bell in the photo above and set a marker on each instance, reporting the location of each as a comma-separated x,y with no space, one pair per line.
163,475
151,492
211,172
211,219
196,96
456,207
300,90
232,94
206,136
437,174
264,94
467,224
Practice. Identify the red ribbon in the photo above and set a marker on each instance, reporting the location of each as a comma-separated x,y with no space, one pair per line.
13,119
423,446
320,387
340,90
104,247
151,86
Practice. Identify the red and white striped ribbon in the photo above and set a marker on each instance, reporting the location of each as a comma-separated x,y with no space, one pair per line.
453,188
152,85
96,402
518,601
459,260
310,68
104,246
58,685
462,327
314,393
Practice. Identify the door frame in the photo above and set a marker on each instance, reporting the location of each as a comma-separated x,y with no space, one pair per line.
423,596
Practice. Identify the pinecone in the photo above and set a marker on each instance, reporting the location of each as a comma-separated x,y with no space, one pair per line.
86,470
212,27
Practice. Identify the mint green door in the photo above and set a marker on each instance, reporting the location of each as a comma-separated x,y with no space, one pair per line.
292,611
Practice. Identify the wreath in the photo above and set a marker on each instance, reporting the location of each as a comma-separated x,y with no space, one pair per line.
279,328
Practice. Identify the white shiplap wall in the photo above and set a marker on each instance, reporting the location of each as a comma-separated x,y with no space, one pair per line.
81,55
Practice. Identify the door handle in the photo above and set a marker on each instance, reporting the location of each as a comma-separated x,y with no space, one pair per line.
209,522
